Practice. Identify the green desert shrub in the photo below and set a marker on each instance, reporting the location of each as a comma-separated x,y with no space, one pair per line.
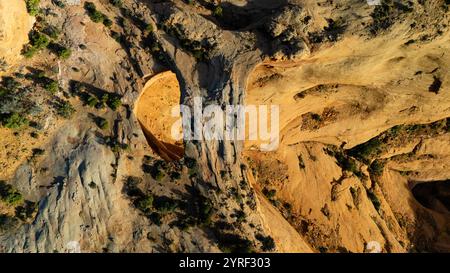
59,3
104,100
116,3
114,102
26,211
157,174
61,51
156,218
38,152
240,216
13,120
268,244
366,150
164,204
145,204
131,186
149,28
38,41
7,223
107,22
218,11
9,195
29,52
92,100
51,31
51,86
233,243
8,85
175,176
65,109
385,15
32,6
376,168
269,193
205,210
117,37
102,123
95,15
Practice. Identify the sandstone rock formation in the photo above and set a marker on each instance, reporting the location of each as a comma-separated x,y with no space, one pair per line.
363,154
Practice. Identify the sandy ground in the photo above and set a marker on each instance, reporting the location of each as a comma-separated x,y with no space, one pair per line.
15,23
154,112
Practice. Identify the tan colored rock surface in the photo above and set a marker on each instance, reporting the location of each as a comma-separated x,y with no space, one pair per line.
15,23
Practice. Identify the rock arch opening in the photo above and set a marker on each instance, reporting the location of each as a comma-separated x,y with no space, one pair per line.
153,109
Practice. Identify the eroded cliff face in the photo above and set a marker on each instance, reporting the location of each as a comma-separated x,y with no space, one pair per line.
369,97
364,99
